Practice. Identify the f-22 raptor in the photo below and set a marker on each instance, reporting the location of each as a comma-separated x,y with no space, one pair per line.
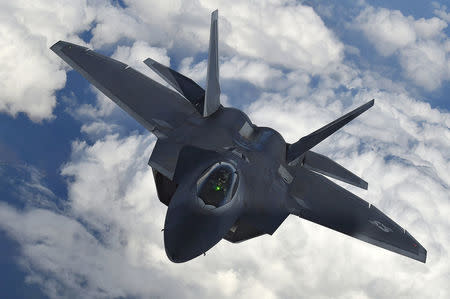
223,177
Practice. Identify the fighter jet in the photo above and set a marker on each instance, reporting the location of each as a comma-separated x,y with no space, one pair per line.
223,177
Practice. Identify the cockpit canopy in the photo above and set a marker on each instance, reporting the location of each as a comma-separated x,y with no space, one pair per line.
217,186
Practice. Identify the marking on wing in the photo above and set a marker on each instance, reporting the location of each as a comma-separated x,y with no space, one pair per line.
381,226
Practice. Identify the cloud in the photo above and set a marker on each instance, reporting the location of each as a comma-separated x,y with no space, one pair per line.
29,31
137,53
98,129
300,40
387,30
256,72
30,73
244,70
107,240
155,22
421,45
441,11
427,64
112,235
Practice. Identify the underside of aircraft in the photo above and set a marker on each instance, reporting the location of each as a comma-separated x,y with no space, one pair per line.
223,177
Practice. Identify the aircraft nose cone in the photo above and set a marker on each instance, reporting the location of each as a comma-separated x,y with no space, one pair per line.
190,230
180,243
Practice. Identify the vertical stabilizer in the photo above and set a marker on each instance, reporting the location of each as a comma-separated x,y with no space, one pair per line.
212,95
297,149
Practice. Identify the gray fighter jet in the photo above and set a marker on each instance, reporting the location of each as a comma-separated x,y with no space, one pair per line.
222,176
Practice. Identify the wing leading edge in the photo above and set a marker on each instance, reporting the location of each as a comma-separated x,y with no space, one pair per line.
319,200
156,107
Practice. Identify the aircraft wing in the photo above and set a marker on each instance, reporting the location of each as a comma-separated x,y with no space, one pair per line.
319,200
156,107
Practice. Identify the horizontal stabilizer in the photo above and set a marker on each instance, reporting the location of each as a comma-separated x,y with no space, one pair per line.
297,149
326,166
212,95
184,85
317,199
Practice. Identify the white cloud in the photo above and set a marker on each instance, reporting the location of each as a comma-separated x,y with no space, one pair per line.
297,40
155,22
98,129
30,73
196,72
441,11
256,72
427,63
387,30
137,53
29,31
107,241
421,45
399,147
104,168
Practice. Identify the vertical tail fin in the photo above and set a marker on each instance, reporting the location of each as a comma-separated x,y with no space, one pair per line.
212,95
307,142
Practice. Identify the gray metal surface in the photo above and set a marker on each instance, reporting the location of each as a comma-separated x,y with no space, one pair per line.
212,95
184,85
324,165
307,142
156,107
270,178
332,206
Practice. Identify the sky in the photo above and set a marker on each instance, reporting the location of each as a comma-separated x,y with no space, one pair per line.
79,214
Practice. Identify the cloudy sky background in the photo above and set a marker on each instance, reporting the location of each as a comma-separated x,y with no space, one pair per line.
79,215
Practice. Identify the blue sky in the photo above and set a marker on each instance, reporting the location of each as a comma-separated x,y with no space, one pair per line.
79,215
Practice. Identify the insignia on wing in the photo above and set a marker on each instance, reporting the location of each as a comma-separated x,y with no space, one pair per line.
381,226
